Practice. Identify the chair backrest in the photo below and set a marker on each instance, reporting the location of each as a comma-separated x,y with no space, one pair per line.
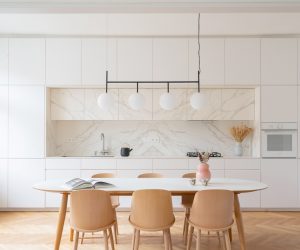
91,210
189,175
104,175
188,198
150,175
151,209
212,209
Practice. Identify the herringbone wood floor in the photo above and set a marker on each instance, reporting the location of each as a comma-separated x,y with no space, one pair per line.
36,231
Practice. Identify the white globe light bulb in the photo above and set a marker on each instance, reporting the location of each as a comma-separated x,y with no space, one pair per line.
167,101
198,100
105,101
136,101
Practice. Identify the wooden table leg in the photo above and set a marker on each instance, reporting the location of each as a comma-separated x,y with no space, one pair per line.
61,220
72,234
239,222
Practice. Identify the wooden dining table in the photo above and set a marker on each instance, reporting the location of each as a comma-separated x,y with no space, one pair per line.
177,187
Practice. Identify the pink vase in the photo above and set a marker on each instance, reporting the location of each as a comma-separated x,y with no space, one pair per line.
203,174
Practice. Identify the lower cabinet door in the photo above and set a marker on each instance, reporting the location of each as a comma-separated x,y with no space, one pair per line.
3,182
247,200
54,199
22,175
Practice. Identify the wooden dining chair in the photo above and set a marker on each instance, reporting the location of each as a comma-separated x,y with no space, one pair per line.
115,203
150,175
186,202
211,211
91,211
151,210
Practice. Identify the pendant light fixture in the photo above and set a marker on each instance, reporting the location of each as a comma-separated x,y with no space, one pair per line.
136,101
198,100
167,101
105,101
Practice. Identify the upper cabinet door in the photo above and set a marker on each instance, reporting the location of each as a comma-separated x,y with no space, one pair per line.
212,60
170,59
134,59
27,61
242,61
98,55
3,61
26,122
279,104
63,61
278,61
3,121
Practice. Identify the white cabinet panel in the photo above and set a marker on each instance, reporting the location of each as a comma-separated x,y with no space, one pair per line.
26,122
242,164
3,121
131,173
62,164
281,177
90,172
278,61
134,164
279,104
67,104
3,61
213,163
178,113
27,61
247,200
242,61
22,175
212,60
212,108
217,173
171,173
238,104
54,199
93,111
170,164
3,182
170,59
127,113
98,164
134,59
63,61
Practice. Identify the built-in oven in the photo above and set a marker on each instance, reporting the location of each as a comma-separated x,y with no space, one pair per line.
279,140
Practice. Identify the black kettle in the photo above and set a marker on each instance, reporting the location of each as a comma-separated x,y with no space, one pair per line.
125,151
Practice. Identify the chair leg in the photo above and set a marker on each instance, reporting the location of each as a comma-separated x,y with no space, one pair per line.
230,234
116,232
105,239
170,239
133,239
71,234
111,239
198,239
166,240
189,243
227,240
82,237
137,239
186,231
76,240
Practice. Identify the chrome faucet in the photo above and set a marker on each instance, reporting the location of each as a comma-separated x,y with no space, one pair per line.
103,152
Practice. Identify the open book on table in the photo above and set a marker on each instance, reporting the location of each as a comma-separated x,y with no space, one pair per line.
78,183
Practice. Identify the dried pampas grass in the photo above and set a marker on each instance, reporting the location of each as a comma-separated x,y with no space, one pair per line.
239,133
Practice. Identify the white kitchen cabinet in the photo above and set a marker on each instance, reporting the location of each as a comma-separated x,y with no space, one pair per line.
170,59
54,199
238,104
279,104
279,61
178,113
67,104
3,61
242,61
22,175
27,61
63,61
214,163
281,177
134,164
3,182
211,109
247,200
92,111
134,59
171,173
127,113
212,60
170,164
99,164
298,183
242,164
90,172
26,122
62,164
3,121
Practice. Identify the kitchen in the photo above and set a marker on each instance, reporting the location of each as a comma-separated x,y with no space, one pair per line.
51,77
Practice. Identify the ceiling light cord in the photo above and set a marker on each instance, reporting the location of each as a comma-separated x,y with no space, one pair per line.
199,48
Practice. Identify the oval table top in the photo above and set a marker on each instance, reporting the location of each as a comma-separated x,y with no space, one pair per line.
177,186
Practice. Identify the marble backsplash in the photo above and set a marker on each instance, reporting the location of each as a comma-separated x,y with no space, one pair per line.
147,138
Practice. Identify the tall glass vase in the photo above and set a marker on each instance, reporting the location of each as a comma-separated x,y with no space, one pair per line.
238,149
